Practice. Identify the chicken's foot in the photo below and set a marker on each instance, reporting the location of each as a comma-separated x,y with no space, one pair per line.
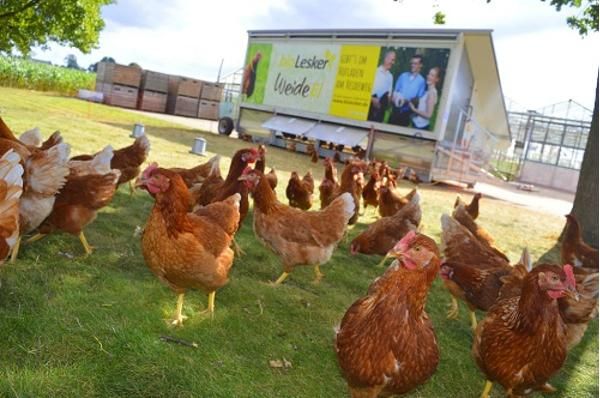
86,246
453,311
237,249
15,250
486,389
210,308
281,278
318,274
35,238
546,388
473,320
131,188
178,321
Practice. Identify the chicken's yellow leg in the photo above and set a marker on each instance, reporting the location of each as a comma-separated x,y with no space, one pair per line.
453,311
281,278
35,238
211,303
238,250
15,250
486,389
86,245
318,274
131,188
178,321
473,320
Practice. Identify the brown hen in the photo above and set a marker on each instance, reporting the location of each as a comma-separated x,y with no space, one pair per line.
187,250
386,343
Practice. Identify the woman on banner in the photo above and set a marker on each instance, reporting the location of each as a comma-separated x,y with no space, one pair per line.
423,112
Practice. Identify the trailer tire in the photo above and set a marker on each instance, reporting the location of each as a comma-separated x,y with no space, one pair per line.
225,126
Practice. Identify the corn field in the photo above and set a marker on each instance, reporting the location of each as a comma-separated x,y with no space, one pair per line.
22,73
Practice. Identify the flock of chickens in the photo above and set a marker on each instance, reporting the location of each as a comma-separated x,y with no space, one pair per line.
385,343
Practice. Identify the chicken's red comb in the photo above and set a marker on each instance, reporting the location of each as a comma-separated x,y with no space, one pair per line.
568,269
405,242
148,172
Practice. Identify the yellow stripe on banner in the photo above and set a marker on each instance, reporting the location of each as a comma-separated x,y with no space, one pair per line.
354,82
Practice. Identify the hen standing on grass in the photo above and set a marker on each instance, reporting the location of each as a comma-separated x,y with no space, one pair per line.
187,250
11,188
127,160
386,343
299,192
522,341
298,237
574,250
381,236
90,186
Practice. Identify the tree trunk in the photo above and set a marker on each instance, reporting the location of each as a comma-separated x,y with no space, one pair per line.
585,206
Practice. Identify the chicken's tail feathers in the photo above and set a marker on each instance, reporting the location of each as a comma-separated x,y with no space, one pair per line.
214,166
234,199
143,143
11,188
349,205
47,170
11,172
101,162
32,137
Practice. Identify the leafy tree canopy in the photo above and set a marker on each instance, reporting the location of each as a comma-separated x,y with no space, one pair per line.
28,23
584,23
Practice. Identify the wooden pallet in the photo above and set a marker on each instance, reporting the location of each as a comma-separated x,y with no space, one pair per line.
118,95
186,106
190,87
109,73
152,101
212,91
155,81
208,109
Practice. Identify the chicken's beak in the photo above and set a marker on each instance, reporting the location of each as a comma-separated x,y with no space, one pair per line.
243,178
140,182
572,293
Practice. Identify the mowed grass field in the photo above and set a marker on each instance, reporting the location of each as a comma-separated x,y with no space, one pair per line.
90,327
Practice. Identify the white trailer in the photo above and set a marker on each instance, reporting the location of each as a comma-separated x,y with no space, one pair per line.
438,108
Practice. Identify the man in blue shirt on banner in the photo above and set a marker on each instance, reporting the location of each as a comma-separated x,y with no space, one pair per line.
409,86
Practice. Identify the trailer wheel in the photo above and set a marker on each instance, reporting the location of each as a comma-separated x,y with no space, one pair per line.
225,126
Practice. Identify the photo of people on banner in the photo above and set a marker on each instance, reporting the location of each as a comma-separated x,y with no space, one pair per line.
407,86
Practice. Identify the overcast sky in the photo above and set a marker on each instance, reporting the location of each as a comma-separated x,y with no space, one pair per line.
541,60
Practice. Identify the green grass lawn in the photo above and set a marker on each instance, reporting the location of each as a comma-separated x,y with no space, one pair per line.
79,327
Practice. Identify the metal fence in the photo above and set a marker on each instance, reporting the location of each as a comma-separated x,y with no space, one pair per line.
543,139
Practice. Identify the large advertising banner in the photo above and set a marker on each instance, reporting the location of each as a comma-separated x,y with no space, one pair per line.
302,77
393,85
354,82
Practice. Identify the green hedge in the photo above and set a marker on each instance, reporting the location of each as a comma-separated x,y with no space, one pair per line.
23,73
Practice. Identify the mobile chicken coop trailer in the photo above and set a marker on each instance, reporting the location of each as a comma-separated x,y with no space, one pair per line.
427,99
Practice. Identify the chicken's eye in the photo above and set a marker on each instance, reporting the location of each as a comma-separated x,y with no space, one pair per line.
554,278
418,248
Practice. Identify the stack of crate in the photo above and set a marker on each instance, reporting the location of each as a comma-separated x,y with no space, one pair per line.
210,97
183,95
153,96
119,84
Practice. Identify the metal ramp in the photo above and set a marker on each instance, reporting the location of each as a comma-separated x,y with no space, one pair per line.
466,157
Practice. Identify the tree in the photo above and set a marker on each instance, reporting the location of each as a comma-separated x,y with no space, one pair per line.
585,206
28,23
71,62
94,67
